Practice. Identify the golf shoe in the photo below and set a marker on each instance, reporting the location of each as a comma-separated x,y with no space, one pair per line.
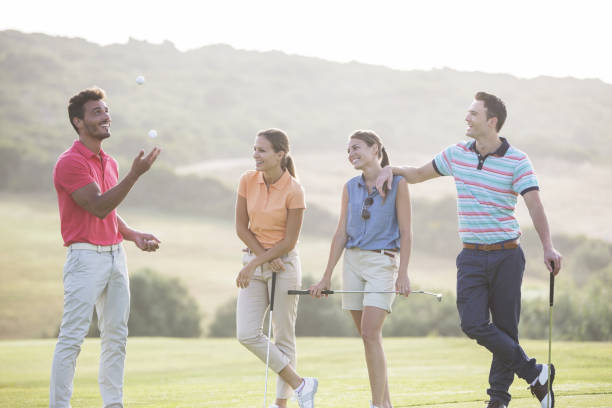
305,397
539,388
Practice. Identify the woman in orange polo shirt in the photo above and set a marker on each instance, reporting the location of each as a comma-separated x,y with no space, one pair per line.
269,211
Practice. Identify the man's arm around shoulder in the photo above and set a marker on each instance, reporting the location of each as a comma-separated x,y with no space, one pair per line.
412,175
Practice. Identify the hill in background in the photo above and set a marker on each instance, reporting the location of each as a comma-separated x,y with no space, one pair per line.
209,102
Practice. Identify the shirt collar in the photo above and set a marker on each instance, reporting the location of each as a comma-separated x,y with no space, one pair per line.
361,183
501,150
278,184
83,150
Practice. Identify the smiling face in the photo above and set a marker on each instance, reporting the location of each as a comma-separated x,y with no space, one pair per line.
477,123
360,154
96,120
265,157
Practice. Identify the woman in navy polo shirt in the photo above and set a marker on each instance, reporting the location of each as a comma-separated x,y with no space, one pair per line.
376,233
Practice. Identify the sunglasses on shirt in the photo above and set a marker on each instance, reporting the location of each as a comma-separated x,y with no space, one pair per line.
365,213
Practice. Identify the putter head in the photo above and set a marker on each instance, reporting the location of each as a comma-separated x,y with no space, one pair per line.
439,297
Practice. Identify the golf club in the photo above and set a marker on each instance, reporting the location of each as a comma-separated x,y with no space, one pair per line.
438,296
269,334
550,323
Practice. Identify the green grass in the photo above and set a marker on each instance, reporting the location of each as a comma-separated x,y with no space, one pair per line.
423,372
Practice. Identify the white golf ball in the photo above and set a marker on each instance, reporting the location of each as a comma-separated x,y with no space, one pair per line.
140,80
152,133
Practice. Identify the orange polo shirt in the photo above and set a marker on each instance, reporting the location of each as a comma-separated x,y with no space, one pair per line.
267,207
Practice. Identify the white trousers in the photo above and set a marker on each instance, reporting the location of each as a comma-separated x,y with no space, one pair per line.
99,279
253,302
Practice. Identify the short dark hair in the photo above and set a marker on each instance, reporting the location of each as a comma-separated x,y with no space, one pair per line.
495,107
76,103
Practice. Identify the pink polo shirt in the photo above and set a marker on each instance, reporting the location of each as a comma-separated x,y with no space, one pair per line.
76,168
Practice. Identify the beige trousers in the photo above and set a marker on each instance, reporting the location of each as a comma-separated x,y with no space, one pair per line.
253,302
100,280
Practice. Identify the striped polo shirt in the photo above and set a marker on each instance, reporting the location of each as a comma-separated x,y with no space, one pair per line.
487,189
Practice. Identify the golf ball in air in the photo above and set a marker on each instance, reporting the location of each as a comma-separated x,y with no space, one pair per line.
140,80
152,133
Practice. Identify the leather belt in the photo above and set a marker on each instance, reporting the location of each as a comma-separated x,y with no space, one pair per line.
389,252
493,247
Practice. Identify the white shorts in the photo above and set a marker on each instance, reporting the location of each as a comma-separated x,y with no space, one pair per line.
368,271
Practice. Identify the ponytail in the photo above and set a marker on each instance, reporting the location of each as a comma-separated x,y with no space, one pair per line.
288,164
383,163
385,158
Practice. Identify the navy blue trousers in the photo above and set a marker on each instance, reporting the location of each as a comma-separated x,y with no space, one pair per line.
489,305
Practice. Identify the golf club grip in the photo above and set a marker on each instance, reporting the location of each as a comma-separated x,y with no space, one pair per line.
306,292
273,290
552,284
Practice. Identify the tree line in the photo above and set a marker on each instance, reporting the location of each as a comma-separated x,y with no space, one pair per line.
580,313
162,306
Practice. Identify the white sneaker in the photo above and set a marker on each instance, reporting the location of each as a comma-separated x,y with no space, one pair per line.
305,397
274,406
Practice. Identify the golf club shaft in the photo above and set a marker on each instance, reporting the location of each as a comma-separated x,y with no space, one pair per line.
550,322
269,334
331,292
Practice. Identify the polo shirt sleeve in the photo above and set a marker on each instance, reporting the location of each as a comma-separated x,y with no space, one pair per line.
242,186
442,161
296,198
72,174
524,178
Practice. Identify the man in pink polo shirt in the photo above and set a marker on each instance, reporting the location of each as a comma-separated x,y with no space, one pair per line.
95,273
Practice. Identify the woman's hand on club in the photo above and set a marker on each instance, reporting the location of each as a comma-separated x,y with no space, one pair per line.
244,276
277,265
402,284
315,290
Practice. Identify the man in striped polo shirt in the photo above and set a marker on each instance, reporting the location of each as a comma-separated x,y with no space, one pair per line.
489,175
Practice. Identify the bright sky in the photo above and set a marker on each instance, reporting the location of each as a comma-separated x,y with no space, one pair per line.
523,38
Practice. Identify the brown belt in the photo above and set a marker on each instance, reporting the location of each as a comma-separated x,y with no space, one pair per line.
389,252
493,247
